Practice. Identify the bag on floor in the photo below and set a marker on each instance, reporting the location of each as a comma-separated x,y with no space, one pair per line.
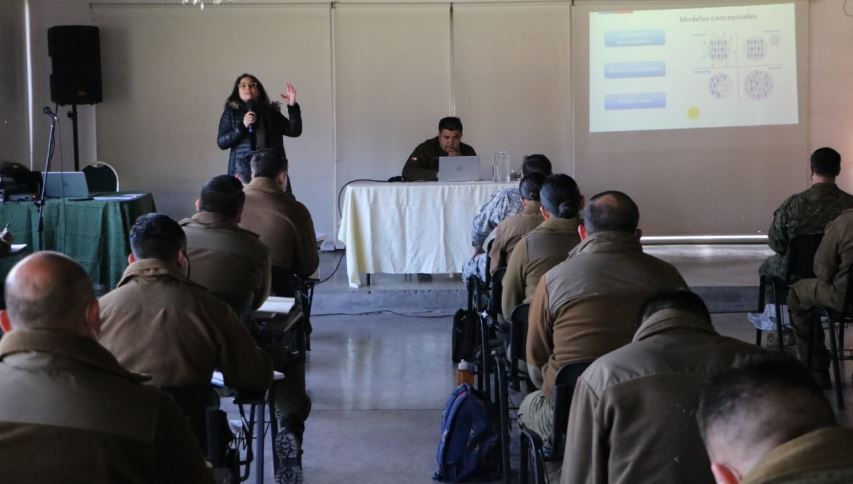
466,335
469,449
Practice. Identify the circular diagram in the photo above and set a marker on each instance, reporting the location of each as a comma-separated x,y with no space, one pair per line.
758,85
756,49
720,85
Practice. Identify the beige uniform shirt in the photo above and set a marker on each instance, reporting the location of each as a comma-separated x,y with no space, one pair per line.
589,304
69,413
633,414
510,231
159,323
283,224
544,247
232,263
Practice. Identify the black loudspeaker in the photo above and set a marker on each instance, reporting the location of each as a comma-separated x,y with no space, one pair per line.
75,51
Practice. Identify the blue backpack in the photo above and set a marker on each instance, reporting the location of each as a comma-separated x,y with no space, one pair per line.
470,442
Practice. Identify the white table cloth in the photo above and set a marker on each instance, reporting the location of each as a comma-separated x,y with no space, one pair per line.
410,228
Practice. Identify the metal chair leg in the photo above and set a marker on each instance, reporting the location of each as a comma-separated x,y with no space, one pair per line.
503,408
836,369
778,308
523,470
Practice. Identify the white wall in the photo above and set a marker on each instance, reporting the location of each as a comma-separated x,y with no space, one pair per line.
831,79
14,127
43,15
167,71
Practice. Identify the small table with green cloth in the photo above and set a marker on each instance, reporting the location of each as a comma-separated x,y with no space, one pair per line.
94,232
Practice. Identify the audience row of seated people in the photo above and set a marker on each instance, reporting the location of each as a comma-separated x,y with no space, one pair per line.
179,312
594,295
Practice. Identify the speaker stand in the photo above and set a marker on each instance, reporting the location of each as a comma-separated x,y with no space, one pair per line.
72,115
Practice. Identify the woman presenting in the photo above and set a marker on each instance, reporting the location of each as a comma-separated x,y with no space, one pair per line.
251,122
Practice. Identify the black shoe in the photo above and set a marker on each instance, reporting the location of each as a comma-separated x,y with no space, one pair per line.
287,451
821,377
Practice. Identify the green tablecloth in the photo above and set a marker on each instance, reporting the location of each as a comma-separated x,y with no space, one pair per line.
92,232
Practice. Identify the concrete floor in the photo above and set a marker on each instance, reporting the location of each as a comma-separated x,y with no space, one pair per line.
379,380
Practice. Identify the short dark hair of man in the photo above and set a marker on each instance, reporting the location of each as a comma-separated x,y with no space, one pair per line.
224,195
530,185
611,211
268,163
560,196
156,236
537,163
826,162
46,301
766,400
243,168
450,123
679,299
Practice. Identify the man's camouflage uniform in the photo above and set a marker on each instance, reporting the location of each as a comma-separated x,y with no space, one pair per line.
805,213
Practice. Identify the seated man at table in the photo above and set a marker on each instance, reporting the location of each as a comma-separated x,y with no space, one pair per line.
504,203
512,229
231,262
68,411
766,421
422,164
285,226
545,246
160,323
589,304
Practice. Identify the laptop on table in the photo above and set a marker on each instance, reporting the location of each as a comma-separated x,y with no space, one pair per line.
65,184
458,168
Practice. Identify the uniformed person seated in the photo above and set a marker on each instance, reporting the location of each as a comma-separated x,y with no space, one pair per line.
231,262
422,164
285,226
766,421
69,412
160,323
806,212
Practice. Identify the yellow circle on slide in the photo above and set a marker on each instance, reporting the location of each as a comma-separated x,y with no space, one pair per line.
693,112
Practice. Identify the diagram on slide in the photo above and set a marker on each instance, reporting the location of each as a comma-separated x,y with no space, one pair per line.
693,68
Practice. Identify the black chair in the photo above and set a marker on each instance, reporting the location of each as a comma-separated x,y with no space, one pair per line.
101,177
532,447
488,331
835,323
200,404
800,265
517,343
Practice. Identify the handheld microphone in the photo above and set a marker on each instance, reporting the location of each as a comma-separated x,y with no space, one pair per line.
49,112
251,105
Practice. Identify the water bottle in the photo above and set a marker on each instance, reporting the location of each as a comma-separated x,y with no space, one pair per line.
465,373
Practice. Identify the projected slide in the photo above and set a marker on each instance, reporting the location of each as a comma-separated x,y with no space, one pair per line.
692,68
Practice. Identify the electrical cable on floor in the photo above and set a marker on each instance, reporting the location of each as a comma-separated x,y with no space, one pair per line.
337,266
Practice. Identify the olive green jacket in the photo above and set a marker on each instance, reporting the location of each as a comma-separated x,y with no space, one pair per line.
541,249
231,262
70,413
159,323
422,164
633,413
589,304
820,457
510,231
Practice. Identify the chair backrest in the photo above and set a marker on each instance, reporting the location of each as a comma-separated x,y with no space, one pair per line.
801,252
564,388
196,401
518,324
101,177
487,277
496,291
